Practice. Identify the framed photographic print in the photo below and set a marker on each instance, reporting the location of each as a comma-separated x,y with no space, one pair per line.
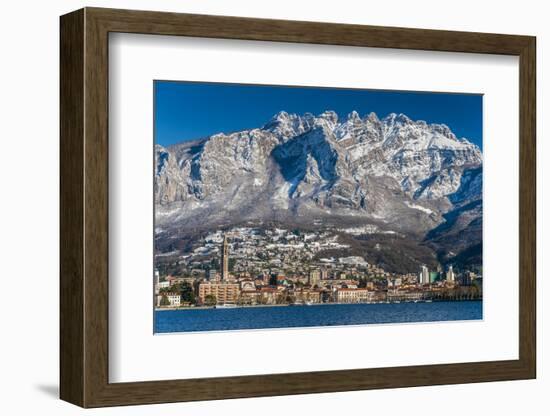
293,207
335,209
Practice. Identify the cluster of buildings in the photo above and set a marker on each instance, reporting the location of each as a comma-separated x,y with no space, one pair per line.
258,281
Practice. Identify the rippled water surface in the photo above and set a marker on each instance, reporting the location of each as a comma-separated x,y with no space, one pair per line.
314,315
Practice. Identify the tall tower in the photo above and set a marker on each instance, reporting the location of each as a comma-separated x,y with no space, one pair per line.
450,274
424,275
156,281
225,259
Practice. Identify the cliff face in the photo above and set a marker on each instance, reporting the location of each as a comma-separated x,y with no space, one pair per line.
406,175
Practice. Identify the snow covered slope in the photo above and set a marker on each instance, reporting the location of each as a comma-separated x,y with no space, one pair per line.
403,174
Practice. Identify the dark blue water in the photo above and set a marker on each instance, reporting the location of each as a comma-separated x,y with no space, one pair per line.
314,315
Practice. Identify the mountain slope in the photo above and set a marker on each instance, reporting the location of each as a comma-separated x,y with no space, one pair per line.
402,175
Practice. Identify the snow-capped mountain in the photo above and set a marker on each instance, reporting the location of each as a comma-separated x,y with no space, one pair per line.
397,173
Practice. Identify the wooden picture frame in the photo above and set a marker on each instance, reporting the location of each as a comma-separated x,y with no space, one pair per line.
84,207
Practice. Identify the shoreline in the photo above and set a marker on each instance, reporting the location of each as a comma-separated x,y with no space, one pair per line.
187,308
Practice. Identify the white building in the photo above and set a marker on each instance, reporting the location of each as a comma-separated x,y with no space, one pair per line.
156,281
424,277
347,295
450,274
164,285
173,298
314,277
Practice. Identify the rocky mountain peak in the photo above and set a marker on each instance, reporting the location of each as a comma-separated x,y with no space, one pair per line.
330,116
372,118
400,118
354,117
395,170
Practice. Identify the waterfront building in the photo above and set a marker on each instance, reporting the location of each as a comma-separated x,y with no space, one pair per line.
174,299
267,295
424,277
434,277
304,295
314,277
468,278
346,295
156,281
450,274
224,292
249,295
404,295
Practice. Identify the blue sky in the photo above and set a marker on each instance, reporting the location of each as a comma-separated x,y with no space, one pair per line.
191,110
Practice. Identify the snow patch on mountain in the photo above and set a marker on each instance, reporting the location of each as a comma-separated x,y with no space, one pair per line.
419,207
304,168
365,229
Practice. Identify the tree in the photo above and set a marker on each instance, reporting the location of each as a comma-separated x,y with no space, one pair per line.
215,264
164,301
187,294
210,300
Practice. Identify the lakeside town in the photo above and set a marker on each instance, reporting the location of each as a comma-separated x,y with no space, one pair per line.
252,267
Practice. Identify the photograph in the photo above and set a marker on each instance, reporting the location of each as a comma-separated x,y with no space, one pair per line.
288,206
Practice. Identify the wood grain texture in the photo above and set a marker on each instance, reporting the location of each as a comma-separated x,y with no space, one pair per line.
84,205
71,184
96,207
527,208
162,23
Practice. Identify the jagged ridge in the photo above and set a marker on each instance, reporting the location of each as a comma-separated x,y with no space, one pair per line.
402,172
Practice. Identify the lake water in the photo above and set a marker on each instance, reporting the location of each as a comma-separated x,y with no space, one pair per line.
314,315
